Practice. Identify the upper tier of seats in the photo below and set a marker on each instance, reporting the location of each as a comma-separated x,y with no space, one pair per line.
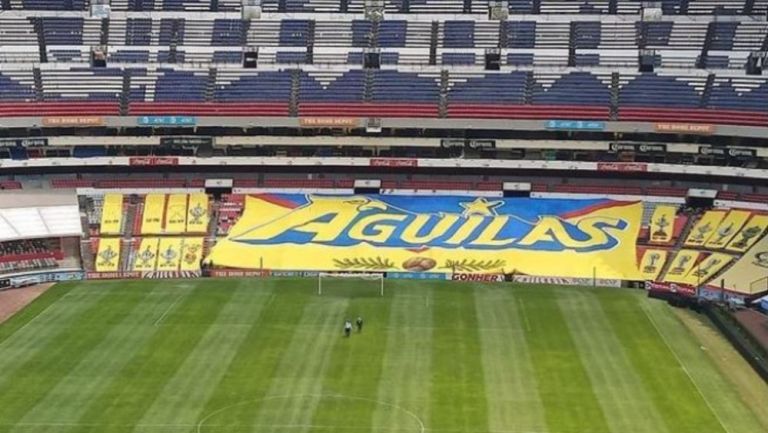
208,38
676,7
433,63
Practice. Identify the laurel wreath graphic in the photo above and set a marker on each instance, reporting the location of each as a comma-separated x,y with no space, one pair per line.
465,265
367,263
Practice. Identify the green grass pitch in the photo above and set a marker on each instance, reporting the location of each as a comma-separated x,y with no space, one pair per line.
268,355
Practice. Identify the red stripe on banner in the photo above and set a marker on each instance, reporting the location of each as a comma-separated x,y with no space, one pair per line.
277,201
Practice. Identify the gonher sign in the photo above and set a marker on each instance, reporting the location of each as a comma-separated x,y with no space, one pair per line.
445,234
575,125
478,278
166,121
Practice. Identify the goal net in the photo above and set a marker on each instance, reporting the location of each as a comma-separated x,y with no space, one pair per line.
360,284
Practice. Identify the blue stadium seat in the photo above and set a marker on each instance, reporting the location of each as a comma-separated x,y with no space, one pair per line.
650,89
459,34
575,88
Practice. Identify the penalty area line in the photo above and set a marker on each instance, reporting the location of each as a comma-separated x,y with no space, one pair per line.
168,310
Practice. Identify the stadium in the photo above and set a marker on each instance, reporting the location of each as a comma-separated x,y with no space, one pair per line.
383,216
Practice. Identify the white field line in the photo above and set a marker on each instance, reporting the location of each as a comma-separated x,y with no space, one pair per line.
687,373
168,310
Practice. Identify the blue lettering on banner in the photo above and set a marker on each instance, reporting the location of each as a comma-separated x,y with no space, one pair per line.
416,276
167,121
581,125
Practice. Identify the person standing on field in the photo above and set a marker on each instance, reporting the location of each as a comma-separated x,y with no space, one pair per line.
347,328
359,323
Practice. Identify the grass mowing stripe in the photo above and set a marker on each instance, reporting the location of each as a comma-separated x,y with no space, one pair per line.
620,391
674,395
34,309
510,382
458,391
239,392
133,390
66,402
46,325
299,378
406,363
57,357
570,404
355,367
185,395
718,393
751,390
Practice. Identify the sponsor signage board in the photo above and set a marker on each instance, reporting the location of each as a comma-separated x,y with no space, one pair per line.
565,281
482,144
686,128
40,278
394,162
73,121
186,141
728,152
329,122
166,121
153,160
638,147
23,142
622,166
575,125
682,289
235,273
111,275
416,276
482,278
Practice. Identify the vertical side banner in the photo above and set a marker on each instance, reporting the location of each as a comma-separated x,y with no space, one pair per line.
652,263
704,228
662,225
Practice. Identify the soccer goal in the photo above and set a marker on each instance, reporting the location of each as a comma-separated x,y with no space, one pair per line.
350,283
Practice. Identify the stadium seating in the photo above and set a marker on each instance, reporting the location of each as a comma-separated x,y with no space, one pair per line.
28,254
188,60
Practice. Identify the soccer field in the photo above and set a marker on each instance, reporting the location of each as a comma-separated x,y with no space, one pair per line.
268,355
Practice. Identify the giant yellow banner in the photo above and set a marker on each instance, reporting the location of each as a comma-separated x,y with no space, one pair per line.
112,214
652,263
146,256
728,228
197,213
191,253
707,268
681,265
108,256
568,238
169,254
152,220
749,234
750,272
704,228
662,224
176,214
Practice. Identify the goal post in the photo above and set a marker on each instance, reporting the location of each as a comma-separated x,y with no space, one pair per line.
323,279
